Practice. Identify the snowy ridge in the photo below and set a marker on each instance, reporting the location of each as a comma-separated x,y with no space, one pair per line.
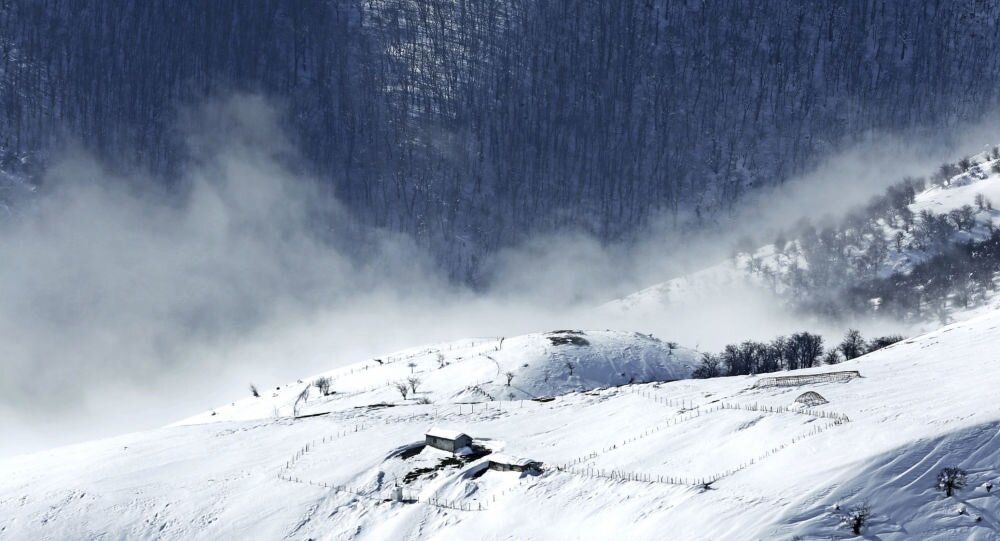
621,459
477,370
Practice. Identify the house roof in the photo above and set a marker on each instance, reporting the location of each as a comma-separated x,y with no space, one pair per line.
501,458
445,433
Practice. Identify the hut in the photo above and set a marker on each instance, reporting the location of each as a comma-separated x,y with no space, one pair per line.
446,439
502,462
810,398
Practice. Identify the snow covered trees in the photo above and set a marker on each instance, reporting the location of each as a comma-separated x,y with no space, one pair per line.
856,517
951,479
499,81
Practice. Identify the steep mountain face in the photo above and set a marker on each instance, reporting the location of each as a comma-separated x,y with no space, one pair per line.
472,124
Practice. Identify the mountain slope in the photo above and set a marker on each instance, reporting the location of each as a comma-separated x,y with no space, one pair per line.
510,117
864,264
624,459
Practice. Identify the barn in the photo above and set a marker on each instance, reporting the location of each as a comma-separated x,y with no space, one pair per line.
502,462
446,439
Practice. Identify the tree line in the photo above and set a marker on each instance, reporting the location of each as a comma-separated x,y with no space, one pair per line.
798,350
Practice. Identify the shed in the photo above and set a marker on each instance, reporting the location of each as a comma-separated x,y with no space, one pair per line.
502,462
810,398
447,439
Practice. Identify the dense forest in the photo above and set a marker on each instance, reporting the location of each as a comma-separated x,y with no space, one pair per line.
470,124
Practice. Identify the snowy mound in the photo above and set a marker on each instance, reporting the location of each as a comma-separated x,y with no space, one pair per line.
558,362
533,366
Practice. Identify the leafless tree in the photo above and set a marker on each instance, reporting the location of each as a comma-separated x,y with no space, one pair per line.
853,345
951,479
323,384
403,389
413,382
254,391
510,377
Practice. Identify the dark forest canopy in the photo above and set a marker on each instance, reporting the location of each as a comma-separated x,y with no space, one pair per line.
470,124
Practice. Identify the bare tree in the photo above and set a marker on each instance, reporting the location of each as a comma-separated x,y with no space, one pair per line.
951,479
323,384
412,366
509,376
254,391
856,517
853,345
440,360
402,388
413,382
709,367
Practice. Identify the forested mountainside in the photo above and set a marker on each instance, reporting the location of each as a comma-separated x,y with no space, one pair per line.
470,124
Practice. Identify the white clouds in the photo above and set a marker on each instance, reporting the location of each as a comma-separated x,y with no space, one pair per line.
123,306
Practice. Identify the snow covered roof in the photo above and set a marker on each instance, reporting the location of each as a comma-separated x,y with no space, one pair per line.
811,398
445,433
501,458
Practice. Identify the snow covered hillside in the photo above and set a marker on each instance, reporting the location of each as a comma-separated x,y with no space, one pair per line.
726,458
889,238
489,369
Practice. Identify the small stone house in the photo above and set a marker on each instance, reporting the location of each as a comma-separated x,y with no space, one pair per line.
447,440
501,462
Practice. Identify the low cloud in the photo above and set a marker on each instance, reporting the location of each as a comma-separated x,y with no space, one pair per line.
124,305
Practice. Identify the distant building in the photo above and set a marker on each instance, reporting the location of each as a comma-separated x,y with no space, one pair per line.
447,440
501,462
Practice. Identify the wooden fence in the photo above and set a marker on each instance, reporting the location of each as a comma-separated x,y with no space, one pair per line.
807,379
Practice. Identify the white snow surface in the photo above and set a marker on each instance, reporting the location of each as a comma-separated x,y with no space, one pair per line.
610,456
476,370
